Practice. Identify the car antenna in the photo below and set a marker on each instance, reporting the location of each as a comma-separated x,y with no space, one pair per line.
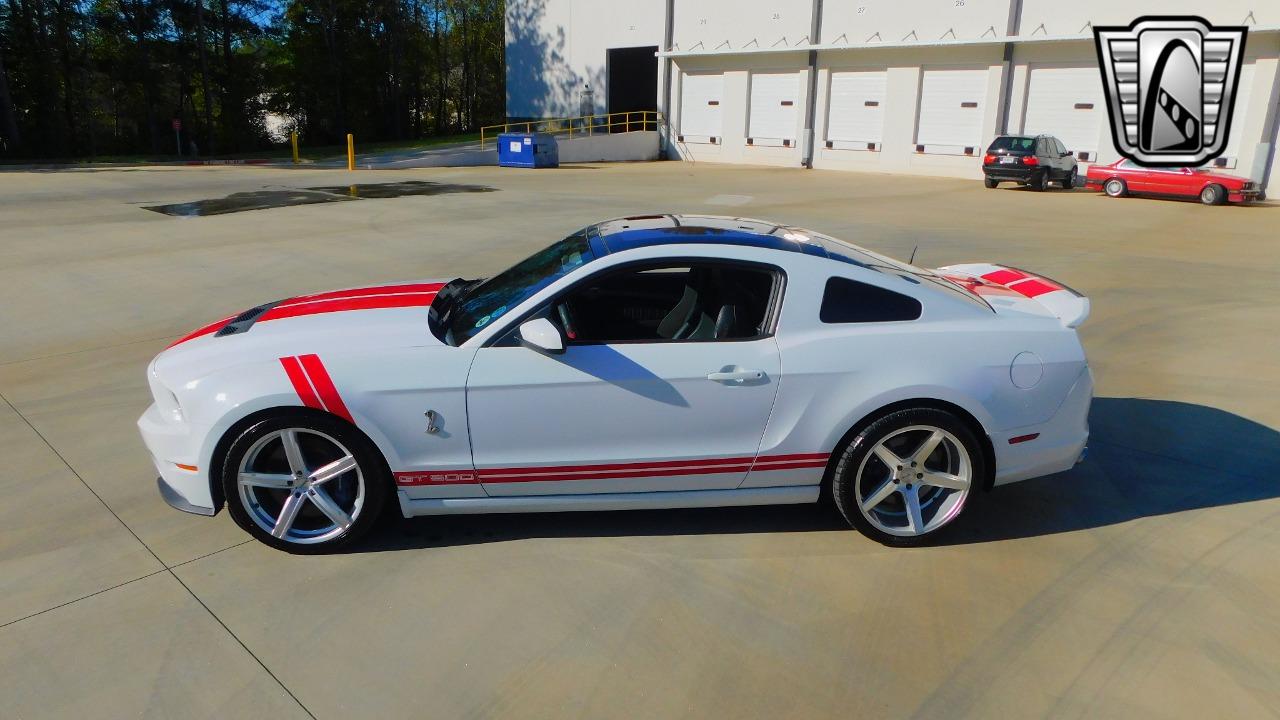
912,261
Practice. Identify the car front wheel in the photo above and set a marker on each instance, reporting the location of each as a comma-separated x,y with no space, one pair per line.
1071,180
908,475
304,483
1212,195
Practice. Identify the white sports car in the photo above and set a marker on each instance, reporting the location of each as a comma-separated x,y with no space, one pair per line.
647,362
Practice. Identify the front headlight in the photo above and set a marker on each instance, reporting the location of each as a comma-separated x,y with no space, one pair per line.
165,399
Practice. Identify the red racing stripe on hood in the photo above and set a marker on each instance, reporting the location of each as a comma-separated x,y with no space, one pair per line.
206,330
371,302
404,289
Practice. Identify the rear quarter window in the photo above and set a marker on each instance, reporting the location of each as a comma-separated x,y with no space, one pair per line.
849,301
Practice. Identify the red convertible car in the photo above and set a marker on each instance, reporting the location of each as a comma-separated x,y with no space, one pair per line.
1125,177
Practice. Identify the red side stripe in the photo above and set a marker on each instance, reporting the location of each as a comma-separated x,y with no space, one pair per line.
373,302
561,469
324,386
300,383
617,474
1004,276
410,288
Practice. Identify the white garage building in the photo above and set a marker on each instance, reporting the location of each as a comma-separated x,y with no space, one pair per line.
904,86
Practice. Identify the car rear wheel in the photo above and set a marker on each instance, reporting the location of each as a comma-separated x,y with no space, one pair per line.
1213,195
304,483
908,475
1040,182
990,182
1115,188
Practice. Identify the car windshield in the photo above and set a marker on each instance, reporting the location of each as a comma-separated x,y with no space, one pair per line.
491,299
1013,144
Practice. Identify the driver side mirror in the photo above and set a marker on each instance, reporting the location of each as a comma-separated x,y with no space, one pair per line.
542,335
1066,153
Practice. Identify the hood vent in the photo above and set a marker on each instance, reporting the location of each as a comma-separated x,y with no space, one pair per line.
245,320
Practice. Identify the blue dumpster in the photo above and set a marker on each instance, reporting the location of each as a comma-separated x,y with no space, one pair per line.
528,150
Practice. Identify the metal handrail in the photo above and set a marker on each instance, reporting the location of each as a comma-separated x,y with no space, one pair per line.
632,121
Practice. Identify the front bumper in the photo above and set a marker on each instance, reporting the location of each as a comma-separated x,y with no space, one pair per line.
173,452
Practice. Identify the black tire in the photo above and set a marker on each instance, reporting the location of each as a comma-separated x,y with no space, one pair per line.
1115,187
1070,180
1213,195
370,472
853,458
990,182
1040,182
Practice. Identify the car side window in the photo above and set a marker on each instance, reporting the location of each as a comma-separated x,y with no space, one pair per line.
1058,149
849,301
677,302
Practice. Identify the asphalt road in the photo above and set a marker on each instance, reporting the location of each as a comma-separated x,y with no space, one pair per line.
1141,584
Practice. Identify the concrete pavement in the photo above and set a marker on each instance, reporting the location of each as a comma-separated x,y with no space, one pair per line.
1140,584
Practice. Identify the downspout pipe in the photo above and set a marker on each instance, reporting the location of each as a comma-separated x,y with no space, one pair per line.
1006,68
811,107
668,37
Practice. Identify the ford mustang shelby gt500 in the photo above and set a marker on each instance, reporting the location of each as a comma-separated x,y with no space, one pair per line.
647,362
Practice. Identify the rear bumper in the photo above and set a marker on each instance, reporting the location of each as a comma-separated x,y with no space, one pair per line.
173,452
1011,173
1059,443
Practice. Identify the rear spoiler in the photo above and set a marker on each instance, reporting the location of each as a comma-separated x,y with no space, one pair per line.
992,281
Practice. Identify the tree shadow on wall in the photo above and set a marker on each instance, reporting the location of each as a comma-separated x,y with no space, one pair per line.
540,83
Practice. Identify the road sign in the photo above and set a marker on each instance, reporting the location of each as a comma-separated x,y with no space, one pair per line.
177,124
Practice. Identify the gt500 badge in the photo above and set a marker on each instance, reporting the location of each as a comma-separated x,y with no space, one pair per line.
1170,84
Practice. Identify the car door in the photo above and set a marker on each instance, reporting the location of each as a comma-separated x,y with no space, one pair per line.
1137,179
1171,181
655,391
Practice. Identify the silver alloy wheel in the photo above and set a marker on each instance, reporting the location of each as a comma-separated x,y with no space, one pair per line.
1114,188
914,481
1209,195
301,486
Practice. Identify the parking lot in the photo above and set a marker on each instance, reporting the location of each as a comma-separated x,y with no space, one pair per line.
1140,584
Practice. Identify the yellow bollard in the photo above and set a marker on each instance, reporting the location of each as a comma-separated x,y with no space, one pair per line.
351,152
293,138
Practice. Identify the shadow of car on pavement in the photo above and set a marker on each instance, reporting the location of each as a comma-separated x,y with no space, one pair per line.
1146,458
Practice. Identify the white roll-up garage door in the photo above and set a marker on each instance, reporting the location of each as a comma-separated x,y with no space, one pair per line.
1241,102
855,109
774,98
1067,103
700,96
951,107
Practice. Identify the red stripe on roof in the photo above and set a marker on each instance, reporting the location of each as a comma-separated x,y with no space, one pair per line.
1035,286
408,288
374,302
324,386
1005,276
300,383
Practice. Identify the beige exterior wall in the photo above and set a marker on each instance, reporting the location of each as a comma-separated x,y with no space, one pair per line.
739,37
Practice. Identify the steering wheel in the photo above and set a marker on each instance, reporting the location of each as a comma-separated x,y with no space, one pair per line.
567,321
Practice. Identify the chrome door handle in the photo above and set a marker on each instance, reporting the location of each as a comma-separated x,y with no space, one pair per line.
735,375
